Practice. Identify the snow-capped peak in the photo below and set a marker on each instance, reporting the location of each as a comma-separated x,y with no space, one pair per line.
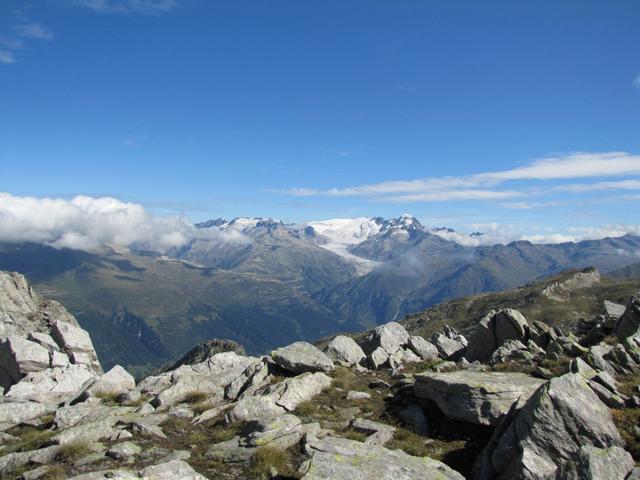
346,231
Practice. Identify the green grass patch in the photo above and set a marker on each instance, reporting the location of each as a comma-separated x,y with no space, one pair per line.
55,472
419,367
200,407
628,423
352,434
409,442
557,367
72,452
268,460
110,398
628,384
195,397
28,438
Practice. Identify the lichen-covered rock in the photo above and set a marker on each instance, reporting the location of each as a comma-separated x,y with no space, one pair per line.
301,357
281,431
253,408
291,392
601,464
343,459
541,441
345,350
124,450
483,398
172,470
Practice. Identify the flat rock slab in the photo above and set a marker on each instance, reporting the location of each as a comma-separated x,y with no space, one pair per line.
343,459
301,357
482,398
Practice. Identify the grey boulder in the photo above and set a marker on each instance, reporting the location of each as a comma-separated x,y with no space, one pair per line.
423,348
629,323
345,350
390,337
493,330
543,439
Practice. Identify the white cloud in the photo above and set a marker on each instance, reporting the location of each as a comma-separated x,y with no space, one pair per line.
484,186
575,165
87,223
125,7
636,82
530,205
454,195
14,34
7,57
599,186
33,30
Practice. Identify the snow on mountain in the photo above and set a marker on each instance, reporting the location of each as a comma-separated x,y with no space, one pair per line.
340,233
347,231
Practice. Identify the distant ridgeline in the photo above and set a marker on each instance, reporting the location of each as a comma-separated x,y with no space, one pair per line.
283,283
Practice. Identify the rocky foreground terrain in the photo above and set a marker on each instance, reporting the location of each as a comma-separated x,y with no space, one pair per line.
513,399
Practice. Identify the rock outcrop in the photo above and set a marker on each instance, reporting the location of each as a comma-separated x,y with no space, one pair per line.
43,350
206,350
543,439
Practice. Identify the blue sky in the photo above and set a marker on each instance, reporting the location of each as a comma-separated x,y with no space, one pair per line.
309,109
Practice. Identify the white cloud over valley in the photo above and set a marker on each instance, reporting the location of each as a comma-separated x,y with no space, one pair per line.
87,223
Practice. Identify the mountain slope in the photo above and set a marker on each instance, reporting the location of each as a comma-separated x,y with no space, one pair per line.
146,311
431,270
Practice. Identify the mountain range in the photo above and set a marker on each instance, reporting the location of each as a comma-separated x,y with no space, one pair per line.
264,283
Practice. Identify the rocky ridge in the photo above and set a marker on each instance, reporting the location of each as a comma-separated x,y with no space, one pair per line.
514,400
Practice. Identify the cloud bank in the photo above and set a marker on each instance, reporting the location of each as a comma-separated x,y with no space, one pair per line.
495,233
88,223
